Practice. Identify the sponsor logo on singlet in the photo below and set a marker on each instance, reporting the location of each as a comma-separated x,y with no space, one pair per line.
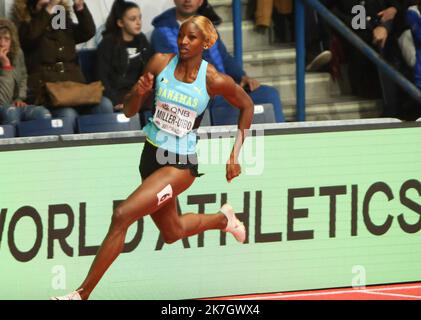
174,119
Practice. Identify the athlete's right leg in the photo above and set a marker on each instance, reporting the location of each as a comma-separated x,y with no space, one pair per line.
146,199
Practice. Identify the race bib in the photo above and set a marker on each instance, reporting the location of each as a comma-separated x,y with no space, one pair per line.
174,119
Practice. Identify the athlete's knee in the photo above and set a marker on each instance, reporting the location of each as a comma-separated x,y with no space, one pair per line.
173,236
120,218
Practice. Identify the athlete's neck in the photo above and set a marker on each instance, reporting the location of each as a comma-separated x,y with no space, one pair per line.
187,69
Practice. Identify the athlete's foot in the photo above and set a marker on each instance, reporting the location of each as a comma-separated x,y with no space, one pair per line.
75,295
234,226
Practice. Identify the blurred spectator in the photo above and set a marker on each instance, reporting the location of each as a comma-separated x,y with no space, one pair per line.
207,10
404,35
365,79
410,109
281,13
318,41
414,20
13,79
407,46
123,51
164,40
278,11
50,52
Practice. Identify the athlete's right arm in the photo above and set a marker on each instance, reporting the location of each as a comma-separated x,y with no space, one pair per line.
141,91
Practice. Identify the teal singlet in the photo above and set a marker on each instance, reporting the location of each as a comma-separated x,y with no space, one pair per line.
177,105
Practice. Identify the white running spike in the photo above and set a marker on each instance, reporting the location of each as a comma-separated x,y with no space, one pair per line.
234,226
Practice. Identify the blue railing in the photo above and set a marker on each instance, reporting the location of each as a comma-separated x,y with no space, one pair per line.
343,29
238,39
300,60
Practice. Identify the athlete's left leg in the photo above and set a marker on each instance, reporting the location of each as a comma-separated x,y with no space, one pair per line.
174,227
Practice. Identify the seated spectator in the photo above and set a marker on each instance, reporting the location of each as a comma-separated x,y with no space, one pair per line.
318,41
123,52
13,78
407,46
365,79
207,10
50,52
281,13
164,40
404,35
410,108
414,20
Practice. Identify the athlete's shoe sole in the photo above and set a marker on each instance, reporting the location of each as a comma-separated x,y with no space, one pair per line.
70,296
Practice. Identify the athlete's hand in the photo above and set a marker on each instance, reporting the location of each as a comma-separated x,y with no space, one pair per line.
233,169
145,84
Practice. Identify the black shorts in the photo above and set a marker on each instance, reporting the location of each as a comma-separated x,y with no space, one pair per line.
149,161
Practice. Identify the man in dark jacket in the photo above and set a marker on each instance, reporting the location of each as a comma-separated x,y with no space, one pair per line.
164,40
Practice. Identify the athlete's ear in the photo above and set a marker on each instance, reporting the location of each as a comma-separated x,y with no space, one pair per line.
206,45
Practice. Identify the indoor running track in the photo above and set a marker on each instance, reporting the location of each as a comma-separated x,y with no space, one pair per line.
408,291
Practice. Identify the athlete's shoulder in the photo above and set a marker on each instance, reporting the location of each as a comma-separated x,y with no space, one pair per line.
217,82
213,76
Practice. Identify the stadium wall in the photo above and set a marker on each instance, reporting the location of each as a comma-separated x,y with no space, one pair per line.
326,204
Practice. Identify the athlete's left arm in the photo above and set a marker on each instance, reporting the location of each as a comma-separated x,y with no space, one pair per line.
221,84
141,91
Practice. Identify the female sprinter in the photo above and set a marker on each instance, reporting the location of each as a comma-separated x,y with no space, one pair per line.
168,166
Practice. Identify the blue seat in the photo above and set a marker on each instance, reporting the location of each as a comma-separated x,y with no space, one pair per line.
87,62
7,131
45,127
206,120
107,122
263,113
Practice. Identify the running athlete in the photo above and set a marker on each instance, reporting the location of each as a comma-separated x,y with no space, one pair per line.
168,166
